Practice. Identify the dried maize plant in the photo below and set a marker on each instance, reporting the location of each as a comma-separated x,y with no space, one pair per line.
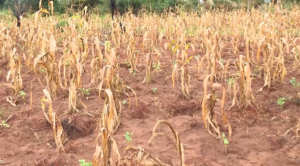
5,40
280,70
110,79
210,54
231,82
175,74
199,64
37,16
208,104
60,136
84,50
151,65
185,75
106,149
173,47
75,63
245,94
147,42
259,45
73,104
96,62
149,68
63,63
52,7
296,56
234,42
14,65
116,33
47,61
107,152
177,143
274,69
132,54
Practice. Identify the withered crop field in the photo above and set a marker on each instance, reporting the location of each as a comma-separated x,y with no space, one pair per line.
219,88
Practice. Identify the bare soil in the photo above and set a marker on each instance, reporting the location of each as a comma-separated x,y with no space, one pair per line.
260,137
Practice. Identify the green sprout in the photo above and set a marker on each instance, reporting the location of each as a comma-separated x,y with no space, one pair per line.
124,102
294,83
133,72
154,90
222,60
128,136
225,142
82,162
230,81
42,70
22,94
4,124
281,101
107,45
86,92
156,66
67,63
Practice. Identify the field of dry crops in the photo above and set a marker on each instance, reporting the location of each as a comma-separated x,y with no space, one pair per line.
211,89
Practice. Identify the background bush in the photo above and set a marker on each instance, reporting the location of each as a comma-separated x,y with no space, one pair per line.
103,6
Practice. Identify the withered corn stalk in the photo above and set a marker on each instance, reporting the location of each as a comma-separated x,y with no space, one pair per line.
208,104
60,136
177,142
185,76
14,64
107,152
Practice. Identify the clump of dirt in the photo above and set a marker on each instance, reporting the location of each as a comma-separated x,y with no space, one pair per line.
78,126
139,111
184,107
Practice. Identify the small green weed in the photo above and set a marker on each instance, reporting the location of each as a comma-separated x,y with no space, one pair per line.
82,162
22,94
86,92
225,142
281,101
128,136
4,124
294,83
154,90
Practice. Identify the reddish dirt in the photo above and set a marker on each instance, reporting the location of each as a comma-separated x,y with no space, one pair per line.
258,136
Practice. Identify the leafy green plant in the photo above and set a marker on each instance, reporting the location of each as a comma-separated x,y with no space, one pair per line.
294,83
82,162
22,94
62,24
225,142
154,90
128,136
230,80
42,70
222,60
4,124
156,66
281,101
86,92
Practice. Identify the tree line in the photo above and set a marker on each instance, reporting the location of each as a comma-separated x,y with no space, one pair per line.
104,6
